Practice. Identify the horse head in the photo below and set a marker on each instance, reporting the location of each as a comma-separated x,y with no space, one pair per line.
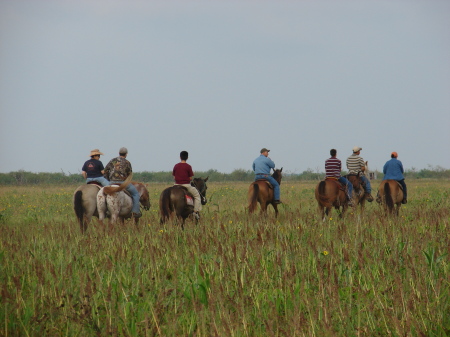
144,196
200,184
277,175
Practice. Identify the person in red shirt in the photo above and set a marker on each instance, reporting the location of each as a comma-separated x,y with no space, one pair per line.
183,175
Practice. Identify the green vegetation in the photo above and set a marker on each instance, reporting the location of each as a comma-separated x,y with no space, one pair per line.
231,275
61,178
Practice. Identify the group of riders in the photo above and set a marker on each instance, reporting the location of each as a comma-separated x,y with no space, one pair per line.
119,169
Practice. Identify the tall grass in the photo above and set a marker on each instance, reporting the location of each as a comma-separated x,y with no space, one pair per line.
231,275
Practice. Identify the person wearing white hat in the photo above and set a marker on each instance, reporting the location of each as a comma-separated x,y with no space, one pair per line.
117,171
356,165
93,169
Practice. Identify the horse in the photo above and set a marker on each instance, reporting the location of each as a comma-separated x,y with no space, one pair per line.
262,191
390,194
119,203
358,189
85,204
177,202
330,193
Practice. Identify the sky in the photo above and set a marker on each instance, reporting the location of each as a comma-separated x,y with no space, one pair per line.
221,80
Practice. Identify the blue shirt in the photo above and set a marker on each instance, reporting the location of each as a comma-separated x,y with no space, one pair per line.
263,164
393,169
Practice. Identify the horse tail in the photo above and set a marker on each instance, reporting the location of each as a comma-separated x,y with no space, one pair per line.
78,206
113,189
321,189
164,204
253,198
388,195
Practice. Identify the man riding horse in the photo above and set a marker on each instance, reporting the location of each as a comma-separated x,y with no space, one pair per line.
117,171
393,169
356,166
333,167
261,167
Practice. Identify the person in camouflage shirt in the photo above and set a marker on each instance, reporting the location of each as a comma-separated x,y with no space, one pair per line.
116,171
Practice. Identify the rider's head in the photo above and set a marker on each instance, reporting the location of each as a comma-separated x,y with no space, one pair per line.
184,155
123,152
333,152
394,155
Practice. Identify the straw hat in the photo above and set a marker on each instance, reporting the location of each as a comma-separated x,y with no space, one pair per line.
95,153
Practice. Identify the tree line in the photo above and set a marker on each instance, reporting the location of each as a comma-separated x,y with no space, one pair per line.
22,177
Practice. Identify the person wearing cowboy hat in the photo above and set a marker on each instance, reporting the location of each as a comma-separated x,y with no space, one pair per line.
261,166
93,169
393,169
357,166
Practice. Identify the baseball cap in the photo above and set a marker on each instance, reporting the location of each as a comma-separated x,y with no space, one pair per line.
357,148
123,150
264,150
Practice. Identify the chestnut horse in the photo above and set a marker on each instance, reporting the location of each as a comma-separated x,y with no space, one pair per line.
359,194
262,191
330,193
390,194
119,203
85,204
176,202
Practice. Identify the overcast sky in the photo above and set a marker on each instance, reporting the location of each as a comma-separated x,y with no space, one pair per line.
222,79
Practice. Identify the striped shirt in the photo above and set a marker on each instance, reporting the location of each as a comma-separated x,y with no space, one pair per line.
333,167
354,164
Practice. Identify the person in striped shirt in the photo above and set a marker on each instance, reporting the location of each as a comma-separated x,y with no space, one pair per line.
355,165
333,168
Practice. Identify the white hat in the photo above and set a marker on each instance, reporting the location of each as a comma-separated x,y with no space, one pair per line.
357,148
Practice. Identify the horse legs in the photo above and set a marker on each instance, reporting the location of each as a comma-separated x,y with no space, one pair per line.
275,207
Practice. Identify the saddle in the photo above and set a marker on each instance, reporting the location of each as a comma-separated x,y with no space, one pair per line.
342,187
266,181
188,196
95,183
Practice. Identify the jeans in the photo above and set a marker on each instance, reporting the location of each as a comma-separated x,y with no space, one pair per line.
367,186
402,182
101,180
347,183
134,195
276,186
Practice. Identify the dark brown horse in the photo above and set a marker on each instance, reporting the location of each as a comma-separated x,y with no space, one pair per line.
176,203
390,194
359,194
330,193
262,191
85,204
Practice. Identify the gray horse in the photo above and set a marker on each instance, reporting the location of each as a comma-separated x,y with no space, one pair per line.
85,204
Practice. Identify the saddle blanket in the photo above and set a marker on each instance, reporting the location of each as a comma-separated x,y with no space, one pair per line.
189,200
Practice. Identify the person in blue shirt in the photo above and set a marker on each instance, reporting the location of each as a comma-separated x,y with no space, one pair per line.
93,169
261,167
393,169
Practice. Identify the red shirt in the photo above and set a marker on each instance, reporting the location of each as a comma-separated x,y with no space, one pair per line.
333,167
182,173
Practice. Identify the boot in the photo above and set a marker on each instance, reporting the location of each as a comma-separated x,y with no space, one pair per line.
369,197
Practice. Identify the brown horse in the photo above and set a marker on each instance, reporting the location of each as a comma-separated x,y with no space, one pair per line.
118,203
85,204
330,193
176,202
359,194
262,191
390,194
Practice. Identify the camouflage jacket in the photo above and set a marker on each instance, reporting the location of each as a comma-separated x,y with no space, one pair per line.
118,169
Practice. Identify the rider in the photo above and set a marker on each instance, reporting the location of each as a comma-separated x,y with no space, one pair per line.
117,171
92,169
333,167
261,167
393,169
183,174
355,165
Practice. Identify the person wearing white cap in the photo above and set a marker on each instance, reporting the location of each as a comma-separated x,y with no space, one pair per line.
261,166
117,171
93,169
393,169
357,166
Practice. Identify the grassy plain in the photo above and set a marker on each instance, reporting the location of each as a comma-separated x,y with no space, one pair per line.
231,275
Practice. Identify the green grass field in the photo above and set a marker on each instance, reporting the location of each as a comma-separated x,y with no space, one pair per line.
231,275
